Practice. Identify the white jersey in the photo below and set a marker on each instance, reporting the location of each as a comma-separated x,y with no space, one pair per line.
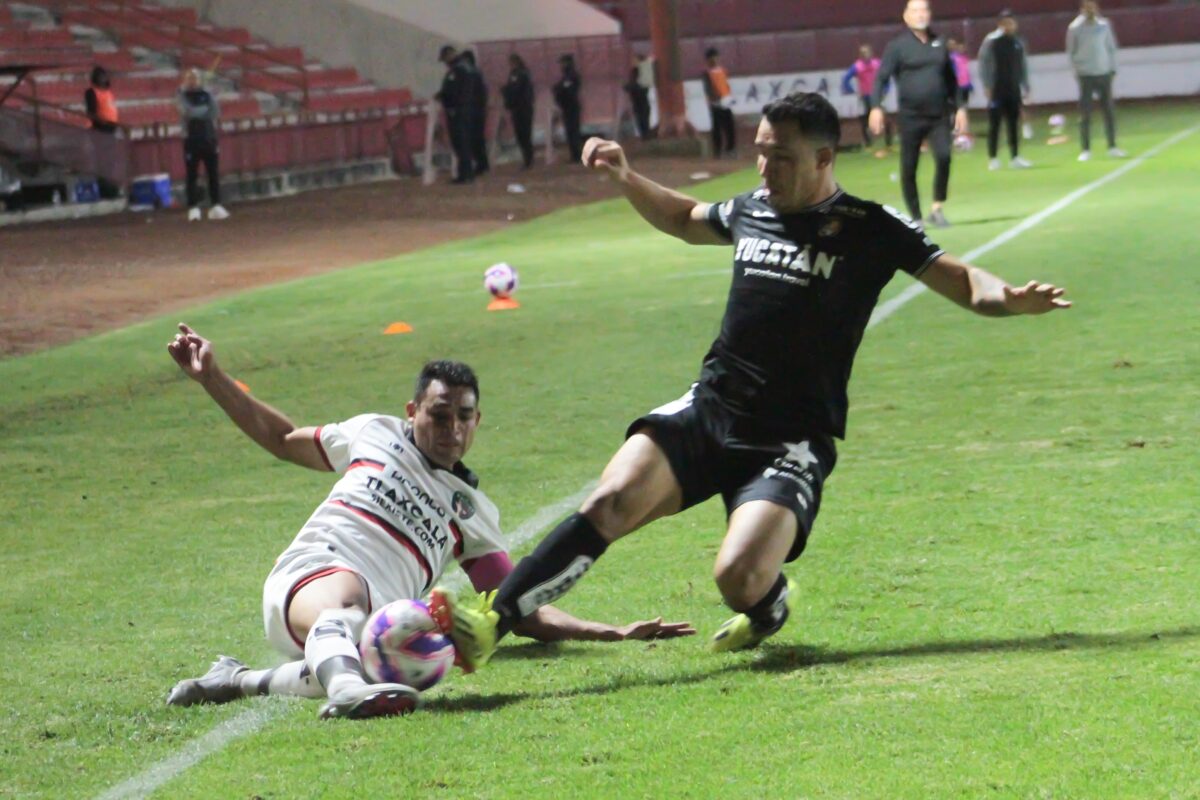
394,517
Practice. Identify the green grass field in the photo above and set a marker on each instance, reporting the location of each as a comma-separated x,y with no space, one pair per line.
999,599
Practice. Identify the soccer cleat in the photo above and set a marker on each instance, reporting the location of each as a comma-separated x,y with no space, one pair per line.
739,633
194,215
1116,152
469,621
372,700
220,684
1086,155
1020,163
218,212
993,164
937,219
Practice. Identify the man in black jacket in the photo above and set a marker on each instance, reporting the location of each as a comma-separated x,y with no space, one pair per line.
457,96
479,118
1005,77
566,95
919,63
199,113
518,99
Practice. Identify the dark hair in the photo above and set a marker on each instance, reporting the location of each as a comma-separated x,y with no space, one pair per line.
814,115
447,49
515,58
711,52
451,373
567,58
100,77
469,55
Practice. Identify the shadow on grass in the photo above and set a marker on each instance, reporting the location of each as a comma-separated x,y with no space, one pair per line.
779,658
963,223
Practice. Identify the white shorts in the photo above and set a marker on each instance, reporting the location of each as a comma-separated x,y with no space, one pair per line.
295,568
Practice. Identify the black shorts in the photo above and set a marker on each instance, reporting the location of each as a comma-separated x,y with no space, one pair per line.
707,459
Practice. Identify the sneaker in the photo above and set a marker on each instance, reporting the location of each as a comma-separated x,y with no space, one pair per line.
1086,155
469,621
221,684
1027,131
1116,152
372,700
1020,163
993,164
938,219
739,633
194,215
218,212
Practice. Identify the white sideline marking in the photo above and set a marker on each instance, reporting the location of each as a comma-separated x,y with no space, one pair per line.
251,720
885,310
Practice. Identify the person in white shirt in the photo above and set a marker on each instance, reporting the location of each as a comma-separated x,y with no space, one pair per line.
403,509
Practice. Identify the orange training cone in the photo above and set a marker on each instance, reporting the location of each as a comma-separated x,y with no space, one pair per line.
503,304
397,327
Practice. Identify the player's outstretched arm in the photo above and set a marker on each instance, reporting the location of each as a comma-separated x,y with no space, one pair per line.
980,291
670,211
549,624
269,428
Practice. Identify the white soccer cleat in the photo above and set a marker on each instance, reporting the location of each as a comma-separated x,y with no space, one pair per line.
1020,163
221,684
1086,155
372,700
1116,152
194,215
218,213
993,164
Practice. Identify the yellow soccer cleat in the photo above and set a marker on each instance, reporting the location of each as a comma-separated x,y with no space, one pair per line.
469,621
739,633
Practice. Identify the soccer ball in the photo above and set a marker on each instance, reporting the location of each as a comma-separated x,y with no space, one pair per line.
964,142
402,644
500,279
1058,122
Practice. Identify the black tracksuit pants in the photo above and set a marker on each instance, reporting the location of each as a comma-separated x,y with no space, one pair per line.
915,129
1007,108
196,152
522,120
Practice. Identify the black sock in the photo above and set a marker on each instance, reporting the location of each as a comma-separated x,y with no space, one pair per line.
556,564
769,613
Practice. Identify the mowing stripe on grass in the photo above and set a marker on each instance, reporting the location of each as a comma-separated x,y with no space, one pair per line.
255,718
885,310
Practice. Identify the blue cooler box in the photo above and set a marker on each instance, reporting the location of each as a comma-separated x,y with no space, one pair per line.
148,192
87,191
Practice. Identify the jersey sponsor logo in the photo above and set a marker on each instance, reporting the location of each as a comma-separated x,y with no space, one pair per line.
801,263
831,227
407,511
794,466
762,214
462,506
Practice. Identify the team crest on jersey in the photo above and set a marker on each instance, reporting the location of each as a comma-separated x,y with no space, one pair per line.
462,506
831,227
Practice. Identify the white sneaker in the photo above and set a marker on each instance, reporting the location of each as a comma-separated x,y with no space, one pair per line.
218,212
372,700
1086,155
1020,163
1027,130
1116,152
994,164
194,215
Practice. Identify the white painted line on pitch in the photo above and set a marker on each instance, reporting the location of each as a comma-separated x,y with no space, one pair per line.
885,310
264,711
250,721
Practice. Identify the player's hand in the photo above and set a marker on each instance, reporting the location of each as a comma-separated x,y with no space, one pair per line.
654,629
193,353
875,121
1034,298
603,154
961,124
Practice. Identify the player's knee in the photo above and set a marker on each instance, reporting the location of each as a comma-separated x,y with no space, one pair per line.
742,580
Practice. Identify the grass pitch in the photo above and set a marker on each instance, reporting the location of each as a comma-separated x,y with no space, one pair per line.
999,597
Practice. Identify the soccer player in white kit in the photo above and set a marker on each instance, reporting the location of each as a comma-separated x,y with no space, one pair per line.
404,507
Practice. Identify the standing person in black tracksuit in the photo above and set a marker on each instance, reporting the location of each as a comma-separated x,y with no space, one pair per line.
199,112
919,62
566,95
479,119
1005,77
457,96
518,99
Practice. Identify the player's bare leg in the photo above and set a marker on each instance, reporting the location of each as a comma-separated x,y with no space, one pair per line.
747,571
636,487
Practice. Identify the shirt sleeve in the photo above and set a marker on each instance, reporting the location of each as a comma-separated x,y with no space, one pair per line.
887,69
721,216
336,440
904,245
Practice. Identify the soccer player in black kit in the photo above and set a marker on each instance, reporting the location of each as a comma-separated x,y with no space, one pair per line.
759,426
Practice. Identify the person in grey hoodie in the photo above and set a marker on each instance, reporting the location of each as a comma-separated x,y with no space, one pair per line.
199,112
1092,48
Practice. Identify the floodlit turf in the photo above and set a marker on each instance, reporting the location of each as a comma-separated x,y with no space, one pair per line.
999,598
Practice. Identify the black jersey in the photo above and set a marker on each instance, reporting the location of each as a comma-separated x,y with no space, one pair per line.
804,286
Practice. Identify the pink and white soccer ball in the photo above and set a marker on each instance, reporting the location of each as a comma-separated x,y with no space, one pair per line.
964,142
1057,121
402,644
500,279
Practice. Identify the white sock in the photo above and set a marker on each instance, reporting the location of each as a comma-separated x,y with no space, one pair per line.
294,679
331,650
